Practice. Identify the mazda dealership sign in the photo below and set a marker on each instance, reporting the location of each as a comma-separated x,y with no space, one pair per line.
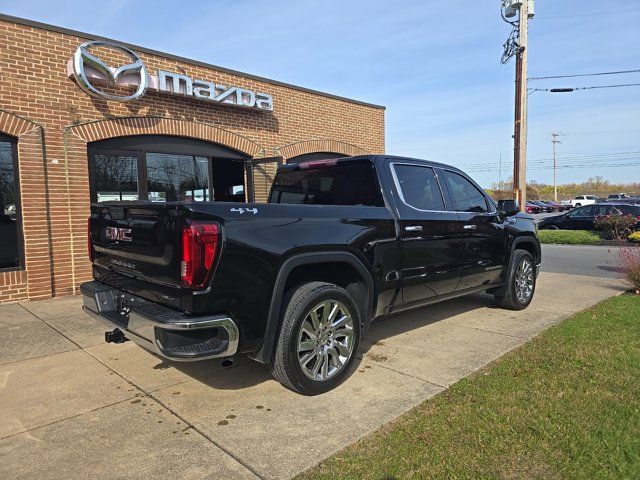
95,76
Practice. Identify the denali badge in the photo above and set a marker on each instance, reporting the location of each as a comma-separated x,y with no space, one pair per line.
120,234
121,263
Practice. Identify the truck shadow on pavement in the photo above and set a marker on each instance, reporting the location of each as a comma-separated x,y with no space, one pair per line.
399,323
246,373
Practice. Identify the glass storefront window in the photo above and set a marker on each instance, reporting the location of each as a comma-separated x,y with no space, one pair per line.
115,177
9,208
164,168
173,177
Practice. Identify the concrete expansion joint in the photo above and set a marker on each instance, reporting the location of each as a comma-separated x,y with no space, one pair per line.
150,395
102,407
424,380
145,393
518,337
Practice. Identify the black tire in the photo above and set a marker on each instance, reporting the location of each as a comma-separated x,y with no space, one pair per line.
511,300
285,366
577,205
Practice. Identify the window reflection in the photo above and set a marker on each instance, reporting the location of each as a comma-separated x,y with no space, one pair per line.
115,177
9,231
173,177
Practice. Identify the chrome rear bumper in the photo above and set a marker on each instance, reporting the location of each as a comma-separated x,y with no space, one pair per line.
171,334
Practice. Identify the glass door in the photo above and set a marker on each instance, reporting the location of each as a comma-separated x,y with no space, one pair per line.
256,167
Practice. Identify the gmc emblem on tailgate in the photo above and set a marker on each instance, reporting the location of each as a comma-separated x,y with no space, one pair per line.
121,234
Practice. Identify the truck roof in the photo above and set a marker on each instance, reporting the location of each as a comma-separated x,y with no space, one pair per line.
359,158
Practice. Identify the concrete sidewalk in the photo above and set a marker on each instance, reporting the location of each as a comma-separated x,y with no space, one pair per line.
75,407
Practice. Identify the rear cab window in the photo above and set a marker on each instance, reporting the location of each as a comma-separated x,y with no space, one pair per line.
328,183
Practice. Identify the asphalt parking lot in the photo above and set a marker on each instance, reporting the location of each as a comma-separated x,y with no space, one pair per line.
73,406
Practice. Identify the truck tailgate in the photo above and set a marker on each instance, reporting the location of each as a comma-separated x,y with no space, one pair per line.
135,246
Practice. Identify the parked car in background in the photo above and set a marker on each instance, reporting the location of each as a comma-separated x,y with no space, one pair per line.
581,200
532,208
544,208
567,204
627,200
618,196
582,218
558,206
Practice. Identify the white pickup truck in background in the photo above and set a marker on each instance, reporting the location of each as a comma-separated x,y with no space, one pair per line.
581,200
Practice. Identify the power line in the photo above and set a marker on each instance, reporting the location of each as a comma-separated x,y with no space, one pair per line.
621,72
609,12
617,165
571,158
573,89
543,163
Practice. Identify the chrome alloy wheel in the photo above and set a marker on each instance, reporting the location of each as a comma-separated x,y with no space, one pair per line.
325,342
524,281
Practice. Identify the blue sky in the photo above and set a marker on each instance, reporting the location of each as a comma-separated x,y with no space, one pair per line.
434,64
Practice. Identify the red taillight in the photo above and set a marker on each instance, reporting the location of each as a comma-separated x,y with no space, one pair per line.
89,246
199,248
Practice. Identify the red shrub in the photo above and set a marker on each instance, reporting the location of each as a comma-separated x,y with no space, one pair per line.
617,227
630,266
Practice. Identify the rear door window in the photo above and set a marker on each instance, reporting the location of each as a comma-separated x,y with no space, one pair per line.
418,187
602,210
465,195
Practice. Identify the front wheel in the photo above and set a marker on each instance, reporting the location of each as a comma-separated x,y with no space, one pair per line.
318,339
520,283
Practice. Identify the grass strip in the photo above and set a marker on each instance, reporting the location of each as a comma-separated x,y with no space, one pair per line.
564,405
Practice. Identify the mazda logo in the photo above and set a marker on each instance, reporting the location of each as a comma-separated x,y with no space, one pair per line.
85,63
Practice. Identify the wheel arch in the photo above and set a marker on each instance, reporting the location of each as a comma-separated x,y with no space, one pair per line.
528,243
317,266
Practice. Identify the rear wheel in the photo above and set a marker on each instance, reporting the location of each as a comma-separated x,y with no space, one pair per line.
318,339
577,205
521,282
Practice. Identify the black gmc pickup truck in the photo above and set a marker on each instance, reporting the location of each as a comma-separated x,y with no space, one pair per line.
296,282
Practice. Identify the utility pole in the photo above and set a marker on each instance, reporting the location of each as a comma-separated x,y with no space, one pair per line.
500,177
520,125
554,140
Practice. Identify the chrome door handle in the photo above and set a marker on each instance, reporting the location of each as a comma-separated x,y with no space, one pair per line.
413,228
470,227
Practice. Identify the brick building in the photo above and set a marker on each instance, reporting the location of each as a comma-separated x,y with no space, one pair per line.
67,139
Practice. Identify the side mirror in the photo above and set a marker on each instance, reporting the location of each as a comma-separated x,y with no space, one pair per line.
507,208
